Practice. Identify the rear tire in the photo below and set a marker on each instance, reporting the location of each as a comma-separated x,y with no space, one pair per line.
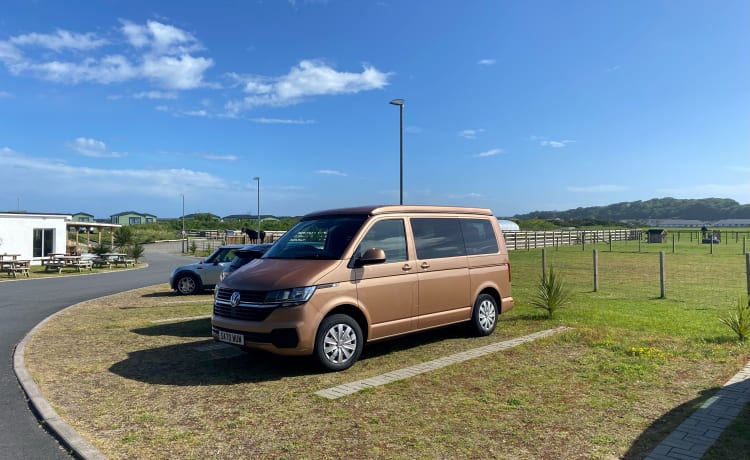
484,315
338,342
187,285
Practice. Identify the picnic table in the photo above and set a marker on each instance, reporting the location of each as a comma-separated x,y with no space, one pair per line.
14,266
113,258
58,262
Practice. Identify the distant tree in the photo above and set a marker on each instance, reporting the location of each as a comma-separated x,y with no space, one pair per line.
136,251
123,237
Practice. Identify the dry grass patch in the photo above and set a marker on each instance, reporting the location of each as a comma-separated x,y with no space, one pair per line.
138,388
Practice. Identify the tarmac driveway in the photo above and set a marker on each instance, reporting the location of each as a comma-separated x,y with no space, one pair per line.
23,304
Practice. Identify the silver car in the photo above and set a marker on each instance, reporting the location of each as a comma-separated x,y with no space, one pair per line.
193,278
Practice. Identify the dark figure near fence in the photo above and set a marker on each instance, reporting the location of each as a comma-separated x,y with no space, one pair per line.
703,232
253,235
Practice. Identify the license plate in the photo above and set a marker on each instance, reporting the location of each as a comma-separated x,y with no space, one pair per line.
228,337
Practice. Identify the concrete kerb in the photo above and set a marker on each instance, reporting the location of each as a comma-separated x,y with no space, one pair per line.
68,437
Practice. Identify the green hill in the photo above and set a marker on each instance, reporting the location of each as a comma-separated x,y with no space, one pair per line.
707,209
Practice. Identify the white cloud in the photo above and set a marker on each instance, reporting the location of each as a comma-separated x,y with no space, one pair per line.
331,172
218,157
309,78
195,113
109,183
61,39
176,72
486,62
5,95
555,144
159,52
470,133
92,148
601,188
489,153
282,121
155,95
160,38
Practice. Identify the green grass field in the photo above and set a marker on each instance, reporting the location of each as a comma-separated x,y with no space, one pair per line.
633,367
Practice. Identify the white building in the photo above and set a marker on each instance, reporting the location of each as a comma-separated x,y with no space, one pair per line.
33,236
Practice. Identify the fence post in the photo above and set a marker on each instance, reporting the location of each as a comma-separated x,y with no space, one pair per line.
672,243
544,263
744,240
712,244
662,276
747,272
596,270
583,240
610,241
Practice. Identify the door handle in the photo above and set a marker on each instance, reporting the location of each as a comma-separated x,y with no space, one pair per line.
425,265
406,267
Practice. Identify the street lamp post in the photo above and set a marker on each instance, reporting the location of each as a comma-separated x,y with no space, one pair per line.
400,104
258,180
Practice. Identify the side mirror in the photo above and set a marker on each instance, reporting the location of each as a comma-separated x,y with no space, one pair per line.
371,257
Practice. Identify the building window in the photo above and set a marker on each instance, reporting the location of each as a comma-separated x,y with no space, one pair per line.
134,220
44,239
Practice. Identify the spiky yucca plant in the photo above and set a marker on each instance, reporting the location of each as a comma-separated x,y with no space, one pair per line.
551,293
739,320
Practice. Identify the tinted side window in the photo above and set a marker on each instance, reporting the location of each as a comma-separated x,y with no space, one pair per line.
437,237
388,235
479,236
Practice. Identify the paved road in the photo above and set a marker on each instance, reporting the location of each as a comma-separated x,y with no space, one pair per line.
23,304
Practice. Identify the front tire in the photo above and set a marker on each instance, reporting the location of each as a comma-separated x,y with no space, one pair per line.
338,343
484,315
187,285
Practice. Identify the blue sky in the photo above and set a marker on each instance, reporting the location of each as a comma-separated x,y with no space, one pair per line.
517,106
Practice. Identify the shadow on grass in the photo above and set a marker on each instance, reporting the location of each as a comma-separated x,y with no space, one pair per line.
192,328
208,363
162,294
663,426
731,443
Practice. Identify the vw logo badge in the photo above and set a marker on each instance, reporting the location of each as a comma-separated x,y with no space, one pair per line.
235,299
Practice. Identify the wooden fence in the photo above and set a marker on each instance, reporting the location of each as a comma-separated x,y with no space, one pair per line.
530,240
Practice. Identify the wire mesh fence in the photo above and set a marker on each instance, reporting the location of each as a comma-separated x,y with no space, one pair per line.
691,275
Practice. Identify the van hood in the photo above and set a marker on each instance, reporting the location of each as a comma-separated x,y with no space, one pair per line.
272,274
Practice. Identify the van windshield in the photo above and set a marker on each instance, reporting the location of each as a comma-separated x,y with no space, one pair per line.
323,238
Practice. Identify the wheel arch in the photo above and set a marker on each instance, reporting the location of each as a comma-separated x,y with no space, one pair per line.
183,273
353,312
494,293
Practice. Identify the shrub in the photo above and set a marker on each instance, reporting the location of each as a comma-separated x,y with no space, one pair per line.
551,294
739,319
136,251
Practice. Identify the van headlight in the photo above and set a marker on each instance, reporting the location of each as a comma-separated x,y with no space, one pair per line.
290,297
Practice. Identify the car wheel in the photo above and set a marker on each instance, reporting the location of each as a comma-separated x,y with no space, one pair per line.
338,342
187,285
484,316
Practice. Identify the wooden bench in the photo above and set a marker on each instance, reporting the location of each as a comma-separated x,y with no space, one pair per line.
81,264
124,262
101,262
16,267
